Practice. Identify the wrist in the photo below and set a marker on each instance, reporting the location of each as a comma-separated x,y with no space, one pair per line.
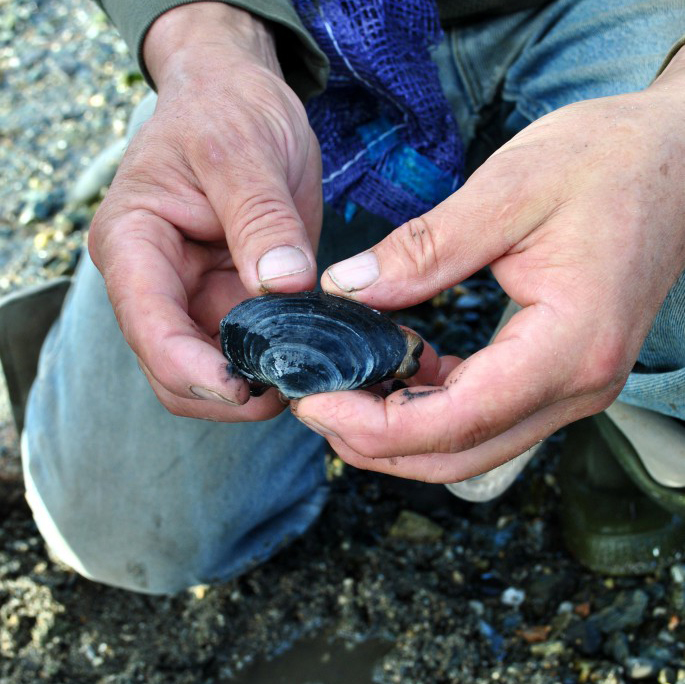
189,34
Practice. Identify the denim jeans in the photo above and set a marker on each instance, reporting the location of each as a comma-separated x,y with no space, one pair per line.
132,496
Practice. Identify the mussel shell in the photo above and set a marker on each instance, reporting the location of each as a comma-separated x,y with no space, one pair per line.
311,342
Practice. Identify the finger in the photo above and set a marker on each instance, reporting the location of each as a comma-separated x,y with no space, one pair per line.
495,389
496,208
211,298
208,408
447,468
150,303
253,196
433,370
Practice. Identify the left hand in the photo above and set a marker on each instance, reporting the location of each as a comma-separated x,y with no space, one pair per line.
582,219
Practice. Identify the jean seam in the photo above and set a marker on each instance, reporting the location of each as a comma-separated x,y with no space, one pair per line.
465,71
528,108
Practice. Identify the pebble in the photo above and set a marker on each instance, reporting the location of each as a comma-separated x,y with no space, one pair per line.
667,675
41,205
535,634
627,611
548,649
617,647
477,607
98,175
545,589
640,668
513,597
414,527
584,636
678,573
495,639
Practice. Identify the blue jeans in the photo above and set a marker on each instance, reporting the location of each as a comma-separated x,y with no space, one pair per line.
132,496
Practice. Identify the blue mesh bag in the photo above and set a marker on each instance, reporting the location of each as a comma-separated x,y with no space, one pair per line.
389,141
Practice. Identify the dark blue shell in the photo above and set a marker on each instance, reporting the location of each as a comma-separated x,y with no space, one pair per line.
311,342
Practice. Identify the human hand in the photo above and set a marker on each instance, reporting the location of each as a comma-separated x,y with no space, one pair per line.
218,198
582,218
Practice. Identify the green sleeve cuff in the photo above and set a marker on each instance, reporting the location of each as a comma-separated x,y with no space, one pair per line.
671,54
304,65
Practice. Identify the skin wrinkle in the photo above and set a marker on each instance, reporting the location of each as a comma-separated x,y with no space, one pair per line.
142,279
256,211
415,239
283,139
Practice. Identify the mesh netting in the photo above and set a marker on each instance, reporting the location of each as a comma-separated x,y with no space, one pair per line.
389,141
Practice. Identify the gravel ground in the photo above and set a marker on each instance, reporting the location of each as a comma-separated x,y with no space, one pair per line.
398,582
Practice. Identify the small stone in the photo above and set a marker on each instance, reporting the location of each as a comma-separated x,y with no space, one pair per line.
582,609
97,175
511,621
548,649
678,573
617,648
640,668
535,634
469,301
458,577
584,636
42,239
199,591
546,589
513,597
49,205
477,607
667,675
414,527
627,611
40,206
657,652
493,637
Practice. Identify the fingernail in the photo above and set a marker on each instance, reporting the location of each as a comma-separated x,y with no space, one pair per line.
282,261
204,393
355,273
318,428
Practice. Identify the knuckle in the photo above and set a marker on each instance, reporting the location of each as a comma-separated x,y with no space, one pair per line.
605,367
473,432
261,216
601,402
416,244
173,407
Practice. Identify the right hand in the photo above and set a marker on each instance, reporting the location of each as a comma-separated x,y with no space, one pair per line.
218,194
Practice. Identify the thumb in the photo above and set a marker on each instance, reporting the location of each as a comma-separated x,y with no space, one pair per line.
267,237
484,219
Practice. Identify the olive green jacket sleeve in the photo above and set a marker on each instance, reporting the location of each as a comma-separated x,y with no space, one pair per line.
304,65
671,54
